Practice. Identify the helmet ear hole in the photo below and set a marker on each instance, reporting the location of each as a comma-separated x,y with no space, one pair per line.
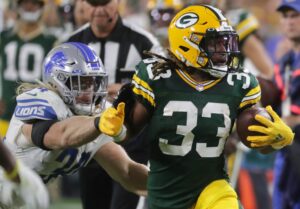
185,49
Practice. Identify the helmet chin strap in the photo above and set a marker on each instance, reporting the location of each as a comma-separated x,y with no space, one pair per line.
83,109
88,109
216,71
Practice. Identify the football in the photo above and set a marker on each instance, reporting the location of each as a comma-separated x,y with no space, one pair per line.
247,118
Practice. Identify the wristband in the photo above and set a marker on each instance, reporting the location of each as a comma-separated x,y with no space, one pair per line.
277,147
14,173
96,122
121,136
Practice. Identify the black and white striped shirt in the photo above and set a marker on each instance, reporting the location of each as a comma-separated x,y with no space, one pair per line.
122,50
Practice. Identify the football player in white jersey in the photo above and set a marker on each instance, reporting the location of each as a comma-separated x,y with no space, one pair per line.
54,129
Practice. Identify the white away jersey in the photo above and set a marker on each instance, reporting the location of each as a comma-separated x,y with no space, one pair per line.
43,104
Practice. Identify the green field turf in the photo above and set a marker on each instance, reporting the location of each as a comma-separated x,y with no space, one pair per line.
66,204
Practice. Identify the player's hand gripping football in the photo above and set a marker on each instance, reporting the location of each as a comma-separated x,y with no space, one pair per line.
111,122
275,133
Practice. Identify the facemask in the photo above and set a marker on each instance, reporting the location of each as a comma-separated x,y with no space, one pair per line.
30,17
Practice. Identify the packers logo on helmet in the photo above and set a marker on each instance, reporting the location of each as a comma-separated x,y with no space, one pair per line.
187,20
201,38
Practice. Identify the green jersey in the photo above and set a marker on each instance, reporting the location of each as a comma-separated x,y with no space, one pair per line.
21,61
188,129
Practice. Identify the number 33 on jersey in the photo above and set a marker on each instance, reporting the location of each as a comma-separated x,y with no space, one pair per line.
194,121
201,118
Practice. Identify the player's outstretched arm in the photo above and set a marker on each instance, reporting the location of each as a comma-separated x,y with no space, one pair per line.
274,133
131,175
71,132
74,131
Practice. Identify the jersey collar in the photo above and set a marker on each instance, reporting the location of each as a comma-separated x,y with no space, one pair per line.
199,86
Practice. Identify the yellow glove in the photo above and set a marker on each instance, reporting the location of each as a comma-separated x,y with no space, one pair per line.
275,133
111,122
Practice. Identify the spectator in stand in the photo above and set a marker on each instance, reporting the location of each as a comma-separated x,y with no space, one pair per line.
287,78
22,51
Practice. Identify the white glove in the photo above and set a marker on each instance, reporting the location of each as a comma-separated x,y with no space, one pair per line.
31,192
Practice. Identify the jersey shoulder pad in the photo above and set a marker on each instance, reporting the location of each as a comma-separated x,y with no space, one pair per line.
243,79
7,32
40,104
248,86
143,81
146,70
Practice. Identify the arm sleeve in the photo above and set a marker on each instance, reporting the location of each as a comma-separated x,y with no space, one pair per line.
251,93
142,87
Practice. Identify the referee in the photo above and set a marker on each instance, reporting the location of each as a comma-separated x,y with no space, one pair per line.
120,47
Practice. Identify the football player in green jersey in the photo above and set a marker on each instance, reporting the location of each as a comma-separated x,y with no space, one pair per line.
22,51
189,102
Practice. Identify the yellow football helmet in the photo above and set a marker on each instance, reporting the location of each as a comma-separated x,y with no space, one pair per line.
201,38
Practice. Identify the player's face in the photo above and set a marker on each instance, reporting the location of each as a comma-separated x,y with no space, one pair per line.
102,15
85,87
290,22
30,11
217,48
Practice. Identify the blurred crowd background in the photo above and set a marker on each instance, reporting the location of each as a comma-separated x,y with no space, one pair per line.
58,14
62,17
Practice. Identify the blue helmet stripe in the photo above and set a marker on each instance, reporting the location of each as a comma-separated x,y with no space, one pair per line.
88,55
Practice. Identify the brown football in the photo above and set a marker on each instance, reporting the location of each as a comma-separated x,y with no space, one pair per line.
247,118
